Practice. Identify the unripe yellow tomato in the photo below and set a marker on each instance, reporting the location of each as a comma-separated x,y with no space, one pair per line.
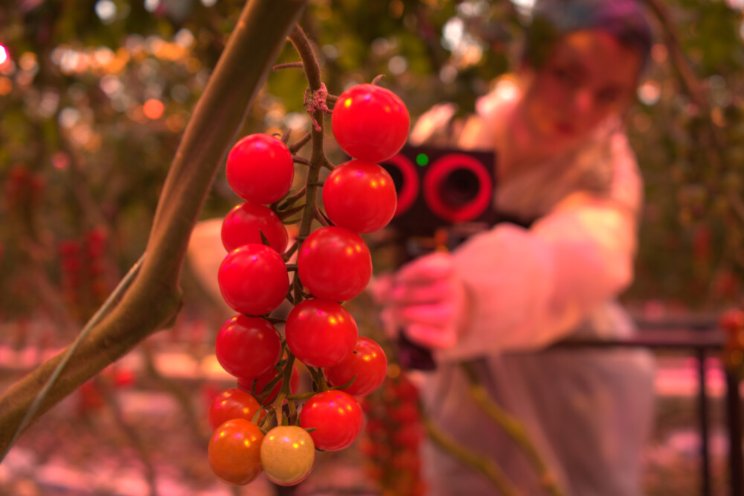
287,454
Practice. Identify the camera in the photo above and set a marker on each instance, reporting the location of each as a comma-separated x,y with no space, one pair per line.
441,188
444,196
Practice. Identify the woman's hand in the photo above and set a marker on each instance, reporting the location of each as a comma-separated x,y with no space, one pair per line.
425,299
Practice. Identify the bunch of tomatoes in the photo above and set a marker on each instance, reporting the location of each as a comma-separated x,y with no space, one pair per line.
263,424
392,437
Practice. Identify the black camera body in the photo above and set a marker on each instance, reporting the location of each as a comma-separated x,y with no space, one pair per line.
444,196
441,188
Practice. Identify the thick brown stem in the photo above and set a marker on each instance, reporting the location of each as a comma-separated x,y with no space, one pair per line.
154,298
317,158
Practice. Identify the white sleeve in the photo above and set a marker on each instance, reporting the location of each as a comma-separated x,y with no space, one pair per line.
529,288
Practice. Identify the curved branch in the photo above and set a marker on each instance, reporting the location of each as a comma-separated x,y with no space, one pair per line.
513,428
683,69
486,467
153,300
689,82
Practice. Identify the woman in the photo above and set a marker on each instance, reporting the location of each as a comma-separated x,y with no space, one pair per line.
566,171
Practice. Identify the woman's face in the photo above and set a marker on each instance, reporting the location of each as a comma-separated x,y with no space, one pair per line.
588,76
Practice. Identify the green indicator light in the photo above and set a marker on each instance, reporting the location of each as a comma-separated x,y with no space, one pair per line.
422,160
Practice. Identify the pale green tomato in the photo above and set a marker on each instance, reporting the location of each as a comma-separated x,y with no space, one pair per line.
287,454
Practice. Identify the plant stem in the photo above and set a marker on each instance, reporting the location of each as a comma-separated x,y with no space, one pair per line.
482,465
513,428
154,298
299,40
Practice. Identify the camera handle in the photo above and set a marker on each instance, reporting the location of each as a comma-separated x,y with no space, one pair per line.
412,355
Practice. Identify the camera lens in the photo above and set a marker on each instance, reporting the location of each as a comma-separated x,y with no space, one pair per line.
459,188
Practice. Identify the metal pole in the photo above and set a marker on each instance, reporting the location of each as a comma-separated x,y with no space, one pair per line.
702,403
736,458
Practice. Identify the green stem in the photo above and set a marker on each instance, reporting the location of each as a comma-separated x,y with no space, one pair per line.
513,428
287,374
479,463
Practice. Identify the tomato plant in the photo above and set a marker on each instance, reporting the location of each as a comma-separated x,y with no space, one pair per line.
334,264
245,224
334,419
247,346
359,196
234,451
260,168
253,279
320,333
231,404
370,122
287,455
362,371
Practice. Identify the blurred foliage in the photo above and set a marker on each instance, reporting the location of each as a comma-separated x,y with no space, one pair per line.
94,95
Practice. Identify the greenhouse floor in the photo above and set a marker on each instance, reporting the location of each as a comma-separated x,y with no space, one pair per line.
83,449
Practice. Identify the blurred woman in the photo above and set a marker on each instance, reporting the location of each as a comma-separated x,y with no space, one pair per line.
569,181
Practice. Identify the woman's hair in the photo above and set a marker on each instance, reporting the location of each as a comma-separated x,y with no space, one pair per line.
625,20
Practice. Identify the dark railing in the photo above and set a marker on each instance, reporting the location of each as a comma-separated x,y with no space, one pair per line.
699,339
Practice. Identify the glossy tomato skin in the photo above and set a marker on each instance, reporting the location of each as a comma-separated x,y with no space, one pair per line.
320,333
231,404
247,346
245,223
359,196
364,369
334,264
260,168
253,279
287,455
370,122
234,451
333,418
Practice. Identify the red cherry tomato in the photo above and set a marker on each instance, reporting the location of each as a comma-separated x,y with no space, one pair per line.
359,196
405,412
260,168
90,397
732,320
404,389
253,279
334,419
246,222
408,436
257,386
247,346
234,451
287,455
334,264
124,377
364,369
320,333
370,122
231,404
406,461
